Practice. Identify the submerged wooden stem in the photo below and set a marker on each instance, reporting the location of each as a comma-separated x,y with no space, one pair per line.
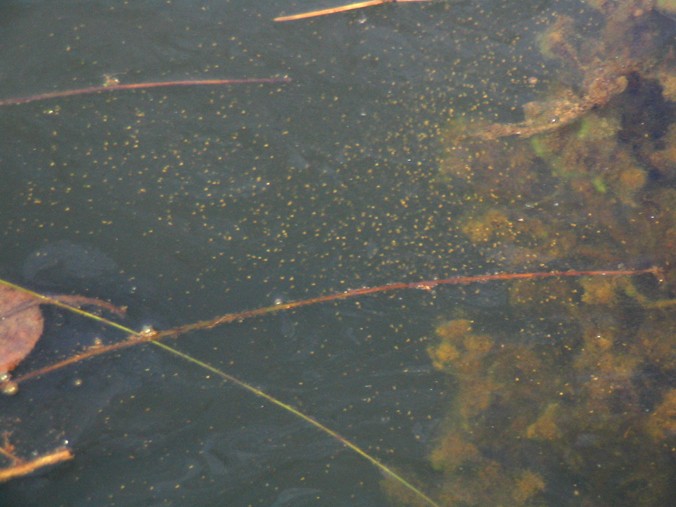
138,86
136,338
23,467
342,8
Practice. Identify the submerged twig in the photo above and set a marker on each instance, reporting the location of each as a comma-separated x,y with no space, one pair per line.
19,467
342,8
114,86
136,337
27,467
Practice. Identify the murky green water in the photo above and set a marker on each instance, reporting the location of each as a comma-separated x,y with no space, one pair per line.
187,203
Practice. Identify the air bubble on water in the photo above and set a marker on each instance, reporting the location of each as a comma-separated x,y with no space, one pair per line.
147,330
9,388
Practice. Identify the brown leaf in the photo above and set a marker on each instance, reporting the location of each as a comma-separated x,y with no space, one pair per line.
21,322
21,325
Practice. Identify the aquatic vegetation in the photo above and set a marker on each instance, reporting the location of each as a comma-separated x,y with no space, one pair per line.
576,410
601,68
568,403
662,422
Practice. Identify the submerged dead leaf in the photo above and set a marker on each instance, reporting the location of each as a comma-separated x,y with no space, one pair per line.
21,325
21,322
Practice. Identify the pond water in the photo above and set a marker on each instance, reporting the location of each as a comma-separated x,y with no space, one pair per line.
186,203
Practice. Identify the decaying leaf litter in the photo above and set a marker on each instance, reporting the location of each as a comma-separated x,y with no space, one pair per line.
22,323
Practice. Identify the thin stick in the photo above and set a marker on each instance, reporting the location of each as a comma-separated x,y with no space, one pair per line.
424,285
22,467
136,338
139,86
343,8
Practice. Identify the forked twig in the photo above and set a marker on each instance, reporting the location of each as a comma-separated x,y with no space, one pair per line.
27,467
19,467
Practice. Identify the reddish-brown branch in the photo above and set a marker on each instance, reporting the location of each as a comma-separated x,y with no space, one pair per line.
424,285
143,337
139,86
22,467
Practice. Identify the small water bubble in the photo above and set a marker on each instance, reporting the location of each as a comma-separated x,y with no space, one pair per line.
147,331
9,388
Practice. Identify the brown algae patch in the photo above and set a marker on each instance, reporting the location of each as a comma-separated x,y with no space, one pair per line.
570,403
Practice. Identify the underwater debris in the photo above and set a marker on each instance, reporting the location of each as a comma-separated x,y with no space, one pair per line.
21,325
19,467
